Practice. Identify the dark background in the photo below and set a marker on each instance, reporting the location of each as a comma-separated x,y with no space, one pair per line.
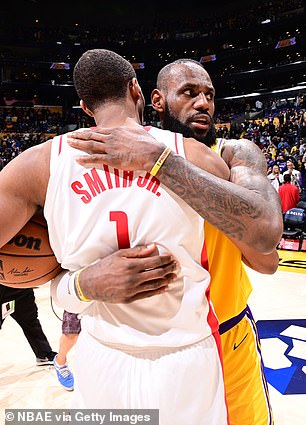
36,34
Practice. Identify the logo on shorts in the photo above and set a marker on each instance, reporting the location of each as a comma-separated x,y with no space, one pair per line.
237,345
283,344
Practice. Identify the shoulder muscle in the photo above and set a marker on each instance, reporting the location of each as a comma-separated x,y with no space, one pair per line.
243,152
205,158
23,184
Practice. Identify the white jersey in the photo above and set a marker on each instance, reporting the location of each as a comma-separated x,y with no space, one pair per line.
92,213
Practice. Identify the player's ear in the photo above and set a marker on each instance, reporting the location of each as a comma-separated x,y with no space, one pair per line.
135,89
157,100
85,109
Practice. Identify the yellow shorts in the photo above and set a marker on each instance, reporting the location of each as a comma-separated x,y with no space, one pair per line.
245,383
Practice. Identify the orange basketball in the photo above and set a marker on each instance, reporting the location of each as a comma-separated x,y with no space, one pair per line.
27,260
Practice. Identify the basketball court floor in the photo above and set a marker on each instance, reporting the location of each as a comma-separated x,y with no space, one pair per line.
279,307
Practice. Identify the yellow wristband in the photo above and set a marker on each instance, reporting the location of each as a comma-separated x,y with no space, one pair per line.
156,167
77,286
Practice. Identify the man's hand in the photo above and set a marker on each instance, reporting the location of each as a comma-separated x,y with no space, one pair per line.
127,148
241,208
128,275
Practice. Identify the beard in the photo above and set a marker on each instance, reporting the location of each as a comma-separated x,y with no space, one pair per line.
176,126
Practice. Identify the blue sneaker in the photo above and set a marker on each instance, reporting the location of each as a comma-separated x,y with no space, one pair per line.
64,376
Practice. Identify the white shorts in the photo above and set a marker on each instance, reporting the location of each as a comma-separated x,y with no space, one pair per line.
185,384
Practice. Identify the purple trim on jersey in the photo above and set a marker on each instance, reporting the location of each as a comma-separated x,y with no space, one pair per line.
60,143
229,324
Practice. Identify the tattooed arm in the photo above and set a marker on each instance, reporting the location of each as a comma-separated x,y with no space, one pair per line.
246,208
259,224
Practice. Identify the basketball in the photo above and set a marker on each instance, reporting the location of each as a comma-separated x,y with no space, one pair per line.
27,260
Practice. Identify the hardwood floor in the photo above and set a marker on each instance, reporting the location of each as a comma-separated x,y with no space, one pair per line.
278,303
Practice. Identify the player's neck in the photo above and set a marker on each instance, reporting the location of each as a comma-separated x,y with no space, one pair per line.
115,115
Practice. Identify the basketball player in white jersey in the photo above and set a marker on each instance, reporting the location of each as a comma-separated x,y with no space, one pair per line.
161,351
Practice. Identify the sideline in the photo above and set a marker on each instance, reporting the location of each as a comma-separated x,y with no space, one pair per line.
292,261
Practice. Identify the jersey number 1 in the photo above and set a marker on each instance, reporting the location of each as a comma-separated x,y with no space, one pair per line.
121,228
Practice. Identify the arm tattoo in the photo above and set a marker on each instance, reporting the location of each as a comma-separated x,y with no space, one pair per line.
227,205
244,154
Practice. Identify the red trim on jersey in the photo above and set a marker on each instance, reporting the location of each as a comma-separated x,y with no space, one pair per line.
60,143
214,326
147,127
211,317
175,142
204,257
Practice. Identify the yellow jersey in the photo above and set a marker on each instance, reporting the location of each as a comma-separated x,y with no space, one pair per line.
230,284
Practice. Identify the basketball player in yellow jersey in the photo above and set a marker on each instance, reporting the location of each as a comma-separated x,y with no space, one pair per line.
239,228
245,383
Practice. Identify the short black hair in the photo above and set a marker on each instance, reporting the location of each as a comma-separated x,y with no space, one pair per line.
287,178
163,74
101,75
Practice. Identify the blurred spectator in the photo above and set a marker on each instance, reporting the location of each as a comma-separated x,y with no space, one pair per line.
283,146
269,159
19,303
272,147
71,327
289,194
295,151
294,174
281,162
275,177
302,149
258,105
